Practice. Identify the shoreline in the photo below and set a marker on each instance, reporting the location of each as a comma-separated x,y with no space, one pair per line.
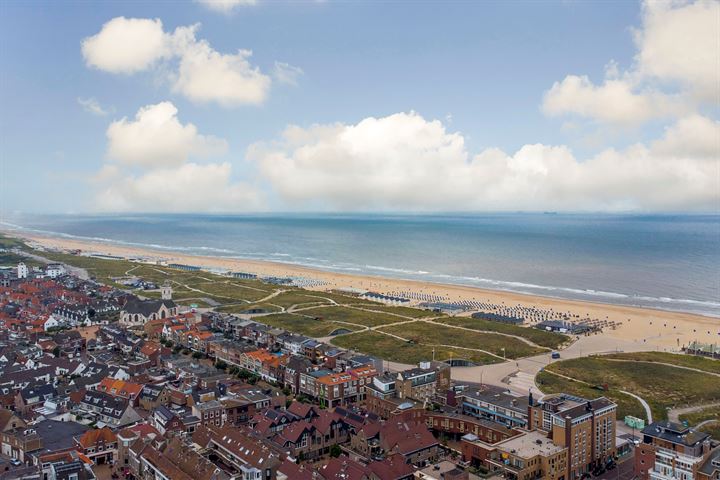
661,329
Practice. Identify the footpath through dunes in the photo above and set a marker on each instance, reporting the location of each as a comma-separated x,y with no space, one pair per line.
664,385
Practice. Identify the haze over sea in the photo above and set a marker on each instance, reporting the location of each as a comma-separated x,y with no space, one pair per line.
670,262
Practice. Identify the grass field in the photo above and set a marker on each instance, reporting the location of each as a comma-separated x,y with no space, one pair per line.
428,334
302,325
389,348
700,363
627,405
299,298
661,386
539,337
241,307
352,315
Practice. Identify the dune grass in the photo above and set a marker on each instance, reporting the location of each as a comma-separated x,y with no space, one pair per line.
394,350
661,386
352,315
429,334
691,361
539,337
302,325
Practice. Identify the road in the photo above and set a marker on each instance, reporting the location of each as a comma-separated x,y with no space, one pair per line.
623,471
498,374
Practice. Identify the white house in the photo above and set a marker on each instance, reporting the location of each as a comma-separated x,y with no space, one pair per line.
22,270
51,322
54,270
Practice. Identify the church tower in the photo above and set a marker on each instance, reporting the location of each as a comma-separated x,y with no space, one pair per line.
166,291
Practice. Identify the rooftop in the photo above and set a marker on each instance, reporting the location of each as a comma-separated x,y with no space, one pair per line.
530,445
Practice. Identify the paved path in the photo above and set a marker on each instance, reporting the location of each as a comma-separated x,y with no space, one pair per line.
674,414
648,411
498,374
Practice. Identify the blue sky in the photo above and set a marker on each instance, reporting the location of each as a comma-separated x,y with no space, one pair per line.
482,71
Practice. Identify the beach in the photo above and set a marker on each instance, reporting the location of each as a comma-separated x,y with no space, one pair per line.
643,327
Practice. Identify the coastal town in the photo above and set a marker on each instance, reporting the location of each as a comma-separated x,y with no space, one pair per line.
125,380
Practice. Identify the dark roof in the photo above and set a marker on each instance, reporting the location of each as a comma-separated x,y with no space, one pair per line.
712,463
146,307
110,405
58,435
590,406
675,433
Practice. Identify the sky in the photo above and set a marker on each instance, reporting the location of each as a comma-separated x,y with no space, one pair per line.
253,106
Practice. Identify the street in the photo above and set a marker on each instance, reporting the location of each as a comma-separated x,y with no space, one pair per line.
623,471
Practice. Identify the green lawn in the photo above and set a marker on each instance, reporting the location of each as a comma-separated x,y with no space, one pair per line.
302,325
392,349
352,315
429,334
661,386
627,405
539,337
700,363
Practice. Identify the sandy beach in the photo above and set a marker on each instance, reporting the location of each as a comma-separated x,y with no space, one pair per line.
656,329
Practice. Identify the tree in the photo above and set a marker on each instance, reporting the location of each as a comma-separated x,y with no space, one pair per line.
335,451
56,351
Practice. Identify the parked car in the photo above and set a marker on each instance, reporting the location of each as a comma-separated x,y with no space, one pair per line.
16,462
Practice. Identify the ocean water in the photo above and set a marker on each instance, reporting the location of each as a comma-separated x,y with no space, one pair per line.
669,262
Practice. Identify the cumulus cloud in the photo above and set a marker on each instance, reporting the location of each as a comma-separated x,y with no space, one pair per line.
188,188
675,68
126,45
406,162
157,138
286,73
193,68
226,6
680,41
91,105
148,168
614,101
206,75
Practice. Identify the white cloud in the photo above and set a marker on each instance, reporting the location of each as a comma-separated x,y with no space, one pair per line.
152,171
188,188
157,138
405,162
677,66
126,45
206,75
192,66
226,6
91,105
286,73
614,101
680,41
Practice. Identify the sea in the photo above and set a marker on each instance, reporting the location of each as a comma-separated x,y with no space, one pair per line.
669,262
